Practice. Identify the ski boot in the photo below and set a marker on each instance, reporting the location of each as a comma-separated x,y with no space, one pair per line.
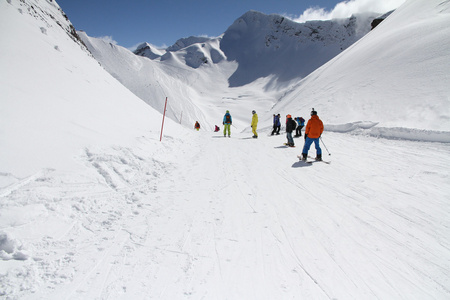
304,156
319,157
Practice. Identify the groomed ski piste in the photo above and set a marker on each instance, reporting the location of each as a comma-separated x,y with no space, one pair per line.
207,216
94,206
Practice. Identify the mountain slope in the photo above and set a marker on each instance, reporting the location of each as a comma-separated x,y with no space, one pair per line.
266,45
396,76
266,53
194,78
55,97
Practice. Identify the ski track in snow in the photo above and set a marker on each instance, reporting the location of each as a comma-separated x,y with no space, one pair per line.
197,221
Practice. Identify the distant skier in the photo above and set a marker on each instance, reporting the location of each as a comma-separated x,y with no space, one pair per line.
300,124
197,126
254,124
276,124
227,121
290,127
313,131
217,128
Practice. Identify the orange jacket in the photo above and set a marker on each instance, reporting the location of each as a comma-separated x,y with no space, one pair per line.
314,128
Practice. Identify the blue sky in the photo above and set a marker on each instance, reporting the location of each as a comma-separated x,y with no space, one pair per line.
162,23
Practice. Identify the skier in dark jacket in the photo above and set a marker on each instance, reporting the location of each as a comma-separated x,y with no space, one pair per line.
276,124
290,127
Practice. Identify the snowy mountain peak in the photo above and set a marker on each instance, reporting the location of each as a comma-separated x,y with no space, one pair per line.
186,42
254,39
148,50
192,52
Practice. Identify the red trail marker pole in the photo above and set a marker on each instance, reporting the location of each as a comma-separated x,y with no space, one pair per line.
164,116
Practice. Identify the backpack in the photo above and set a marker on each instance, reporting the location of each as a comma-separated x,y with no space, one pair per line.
227,119
294,124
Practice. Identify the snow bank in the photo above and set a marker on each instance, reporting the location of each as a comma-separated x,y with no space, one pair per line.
10,248
398,133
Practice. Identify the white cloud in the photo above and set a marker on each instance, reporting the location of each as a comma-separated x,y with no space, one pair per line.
347,8
108,39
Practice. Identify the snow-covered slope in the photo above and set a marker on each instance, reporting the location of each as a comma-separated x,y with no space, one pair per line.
94,206
266,45
55,98
257,53
194,78
396,76
172,77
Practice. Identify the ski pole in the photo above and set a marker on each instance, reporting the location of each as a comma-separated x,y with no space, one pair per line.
325,146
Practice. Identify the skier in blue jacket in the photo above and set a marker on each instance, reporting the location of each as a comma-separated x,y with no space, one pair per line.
276,124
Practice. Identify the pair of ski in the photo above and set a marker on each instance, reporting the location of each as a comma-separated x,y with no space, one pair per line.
313,160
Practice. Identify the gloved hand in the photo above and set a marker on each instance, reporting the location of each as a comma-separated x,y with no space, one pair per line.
306,136
223,123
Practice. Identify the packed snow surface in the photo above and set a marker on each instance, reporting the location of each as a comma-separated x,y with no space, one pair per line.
96,203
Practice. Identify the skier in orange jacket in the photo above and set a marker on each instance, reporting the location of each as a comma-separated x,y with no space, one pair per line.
313,131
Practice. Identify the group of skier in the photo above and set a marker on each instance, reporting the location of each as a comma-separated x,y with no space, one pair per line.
313,131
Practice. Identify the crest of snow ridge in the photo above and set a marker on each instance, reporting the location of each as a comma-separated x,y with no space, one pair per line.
50,14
